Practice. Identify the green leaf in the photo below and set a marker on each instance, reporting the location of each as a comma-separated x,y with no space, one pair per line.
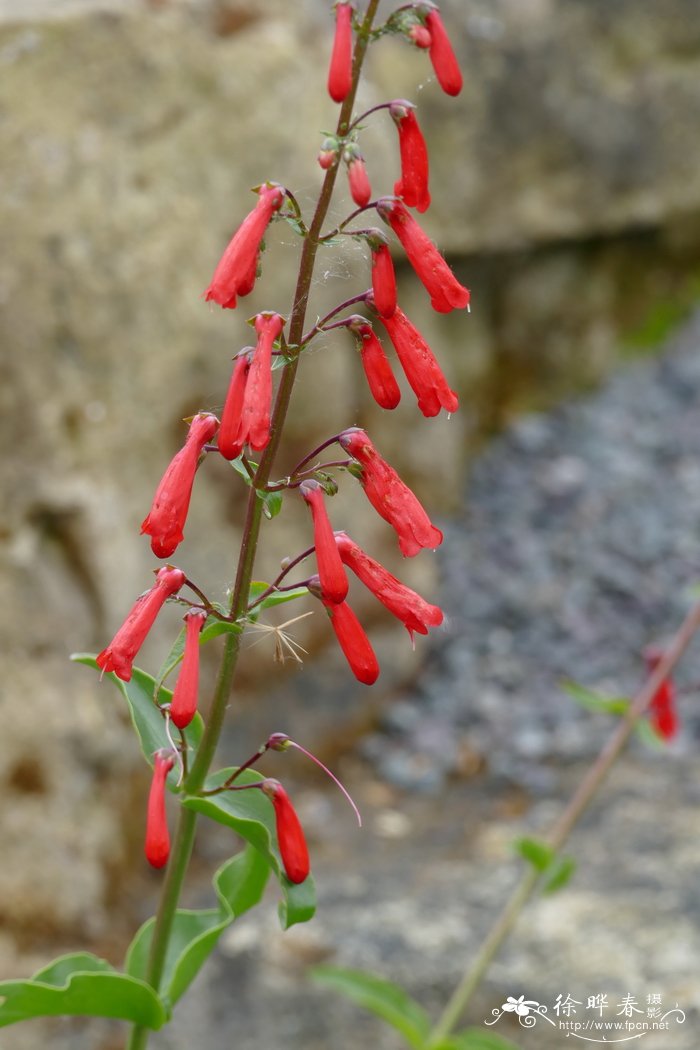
250,813
239,885
476,1039
81,985
559,874
380,997
271,501
148,721
539,854
280,597
238,466
610,705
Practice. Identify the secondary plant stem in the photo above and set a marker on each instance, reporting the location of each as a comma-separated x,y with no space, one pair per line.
184,835
586,791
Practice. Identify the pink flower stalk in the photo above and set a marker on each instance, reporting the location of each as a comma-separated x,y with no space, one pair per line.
165,521
662,709
358,180
184,702
237,269
420,366
420,36
334,582
257,398
442,56
354,642
230,446
446,293
413,184
383,278
157,844
414,612
340,71
390,497
290,834
120,653
380,378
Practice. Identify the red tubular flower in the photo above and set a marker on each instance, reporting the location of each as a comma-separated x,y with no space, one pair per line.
157,844
358,180
413,184
229,444
380,378
290,834
418,362
165,521
237,268
354,642
184,702
120,653
446,293
662,709
334,582
414,612
257,398
383,278
442,56
390,497
340,71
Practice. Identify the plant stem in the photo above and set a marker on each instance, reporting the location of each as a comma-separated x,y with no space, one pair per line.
184,835
585,792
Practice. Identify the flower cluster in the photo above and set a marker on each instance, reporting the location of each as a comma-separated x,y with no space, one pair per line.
249,420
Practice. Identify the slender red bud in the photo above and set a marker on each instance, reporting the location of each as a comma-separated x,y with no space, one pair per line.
257,398
157,844
165,521
184,702
390,497
358,180
380,378
290,834
334,582
420,366
442,56
120,654
230,445
662,709
340,71
413,184
446,293
383,280
414,612
237,269
353,641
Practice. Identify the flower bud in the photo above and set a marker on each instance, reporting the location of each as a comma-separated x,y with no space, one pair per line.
354,642
290,834
257,397
184,702
420,35
662,708
340,70
334,583
442,56
328,153
229,442
157,843
380,378
360,189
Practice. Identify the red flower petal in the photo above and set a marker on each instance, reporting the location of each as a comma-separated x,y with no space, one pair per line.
165,521
420,366
383,281
120,654
230,445
290,834
390,497
157,844
413,184
257,398
236,271
354,642
442,56
340,71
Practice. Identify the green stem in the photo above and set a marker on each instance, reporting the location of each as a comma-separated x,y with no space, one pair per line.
184,835
582,797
